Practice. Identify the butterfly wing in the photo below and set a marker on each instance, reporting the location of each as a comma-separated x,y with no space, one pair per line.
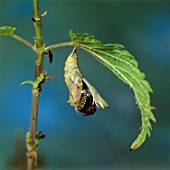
99,101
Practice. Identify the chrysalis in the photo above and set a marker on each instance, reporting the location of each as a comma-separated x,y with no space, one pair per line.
73,79
83,96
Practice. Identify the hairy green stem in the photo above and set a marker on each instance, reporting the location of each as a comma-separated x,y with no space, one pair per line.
39,45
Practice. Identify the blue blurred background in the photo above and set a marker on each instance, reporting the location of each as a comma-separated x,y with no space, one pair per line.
73,141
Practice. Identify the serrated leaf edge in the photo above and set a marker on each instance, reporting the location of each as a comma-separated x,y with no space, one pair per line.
143,84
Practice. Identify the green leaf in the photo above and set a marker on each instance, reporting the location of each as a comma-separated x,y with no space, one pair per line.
39,79
125,67
27,82
6,30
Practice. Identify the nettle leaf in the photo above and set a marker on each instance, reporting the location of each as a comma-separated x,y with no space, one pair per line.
124,65
6,30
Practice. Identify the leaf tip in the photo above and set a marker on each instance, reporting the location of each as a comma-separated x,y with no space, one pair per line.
71,33
130,149
6,30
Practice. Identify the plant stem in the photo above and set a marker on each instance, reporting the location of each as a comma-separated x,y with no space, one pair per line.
59,45
22,40
39,45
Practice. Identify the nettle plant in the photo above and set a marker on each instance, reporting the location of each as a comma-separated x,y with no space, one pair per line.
83,96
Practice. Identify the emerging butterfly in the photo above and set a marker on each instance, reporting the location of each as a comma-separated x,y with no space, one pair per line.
83,96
